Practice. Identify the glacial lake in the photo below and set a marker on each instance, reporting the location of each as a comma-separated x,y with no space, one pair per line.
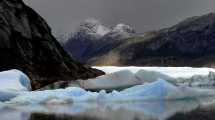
151,110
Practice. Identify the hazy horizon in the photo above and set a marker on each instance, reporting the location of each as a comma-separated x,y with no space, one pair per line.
143,15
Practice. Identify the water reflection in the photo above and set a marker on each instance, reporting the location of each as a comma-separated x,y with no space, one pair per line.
198,114
158,110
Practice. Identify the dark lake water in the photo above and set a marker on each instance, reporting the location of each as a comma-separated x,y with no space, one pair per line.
157,110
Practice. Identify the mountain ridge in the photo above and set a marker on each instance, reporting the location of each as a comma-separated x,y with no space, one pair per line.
94,38
190,40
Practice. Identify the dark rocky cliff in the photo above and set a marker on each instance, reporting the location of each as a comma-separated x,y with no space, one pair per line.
27,44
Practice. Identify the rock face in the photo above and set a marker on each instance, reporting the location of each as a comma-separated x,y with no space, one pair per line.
26,43
189,43
94,39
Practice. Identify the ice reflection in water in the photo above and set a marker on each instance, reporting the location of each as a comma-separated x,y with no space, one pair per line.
109,111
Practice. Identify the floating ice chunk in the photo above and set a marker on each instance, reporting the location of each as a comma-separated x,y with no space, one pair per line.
112,69
188,76
127,78
159,90
68,95
117,80
14,80
197,81
173,72
150,76
202,77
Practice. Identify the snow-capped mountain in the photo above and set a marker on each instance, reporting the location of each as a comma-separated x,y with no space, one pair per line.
191,40
120,31
93,37
123,28
188,43
93,27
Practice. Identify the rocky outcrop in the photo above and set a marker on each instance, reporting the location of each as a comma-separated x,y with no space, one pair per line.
27,44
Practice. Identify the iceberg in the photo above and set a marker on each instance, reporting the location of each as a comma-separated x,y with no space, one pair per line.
118,80
185,76
145,85
124,77
150,76
168,90
174,72
14,80
12,83
159,90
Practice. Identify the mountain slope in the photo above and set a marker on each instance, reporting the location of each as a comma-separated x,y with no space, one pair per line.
94,39
26,43
189,43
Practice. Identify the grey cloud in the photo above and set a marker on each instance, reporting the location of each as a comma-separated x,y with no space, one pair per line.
143,15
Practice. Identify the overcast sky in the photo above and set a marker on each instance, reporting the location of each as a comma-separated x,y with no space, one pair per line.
142,15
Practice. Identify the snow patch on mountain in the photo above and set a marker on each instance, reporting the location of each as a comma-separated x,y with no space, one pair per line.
123,28
93,26
96,29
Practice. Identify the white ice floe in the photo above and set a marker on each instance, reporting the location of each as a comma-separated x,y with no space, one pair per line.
158,90
188,76
173,72
148,84
150,76
13,82
117,80
161,93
